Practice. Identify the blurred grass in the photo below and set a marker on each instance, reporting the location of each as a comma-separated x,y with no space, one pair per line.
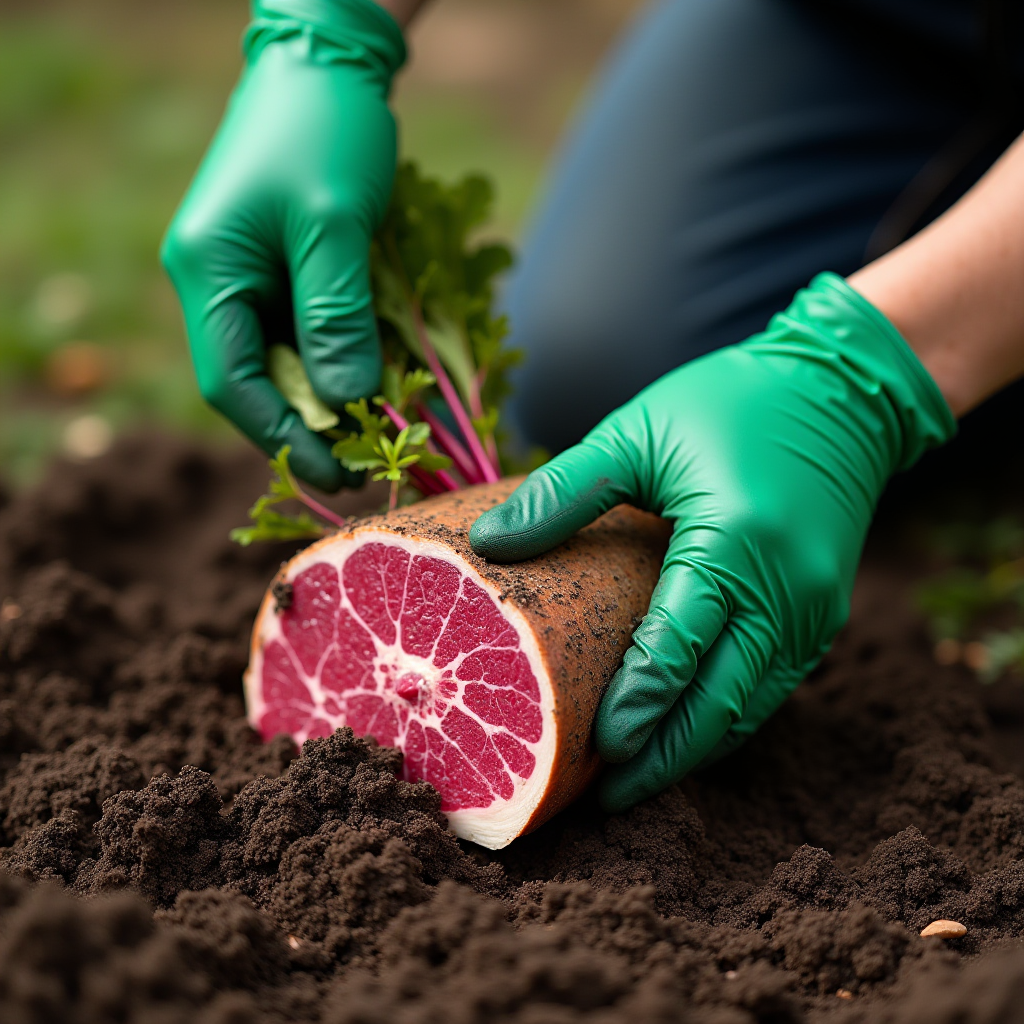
96,143
100,132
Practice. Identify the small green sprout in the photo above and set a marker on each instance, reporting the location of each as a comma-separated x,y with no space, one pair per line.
373,451
269,523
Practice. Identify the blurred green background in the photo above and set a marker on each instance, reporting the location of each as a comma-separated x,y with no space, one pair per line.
106,107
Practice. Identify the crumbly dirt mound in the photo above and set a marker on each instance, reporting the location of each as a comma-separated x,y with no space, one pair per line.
160,864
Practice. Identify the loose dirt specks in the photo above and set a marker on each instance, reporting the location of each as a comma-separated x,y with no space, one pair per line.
283,596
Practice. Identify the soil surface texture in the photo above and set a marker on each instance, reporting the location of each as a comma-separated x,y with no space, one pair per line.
159,864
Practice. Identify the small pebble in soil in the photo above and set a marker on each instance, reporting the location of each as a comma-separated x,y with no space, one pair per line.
87,437
10,611
948,651
843,993
976,656
944,930
76,368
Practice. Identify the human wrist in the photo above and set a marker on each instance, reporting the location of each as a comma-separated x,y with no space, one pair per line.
935,330
403,11
954,289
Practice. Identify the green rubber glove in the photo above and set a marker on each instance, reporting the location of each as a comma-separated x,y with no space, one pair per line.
272,241
769,457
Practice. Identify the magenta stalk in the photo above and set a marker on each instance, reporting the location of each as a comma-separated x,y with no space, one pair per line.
476,407
325,513
427,483
451,446
445,479
451,396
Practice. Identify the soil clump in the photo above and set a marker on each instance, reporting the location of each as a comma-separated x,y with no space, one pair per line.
159,864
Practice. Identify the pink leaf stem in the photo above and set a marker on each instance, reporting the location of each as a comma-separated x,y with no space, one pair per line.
451,446
427,483
394,415
492,450
451,397
447,481
476,407
325,513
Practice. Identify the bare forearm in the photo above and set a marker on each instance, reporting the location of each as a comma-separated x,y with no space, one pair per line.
955,291
402,11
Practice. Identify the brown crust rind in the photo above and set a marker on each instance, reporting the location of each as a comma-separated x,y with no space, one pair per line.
582,601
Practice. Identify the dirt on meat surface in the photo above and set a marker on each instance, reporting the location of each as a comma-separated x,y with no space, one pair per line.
159,864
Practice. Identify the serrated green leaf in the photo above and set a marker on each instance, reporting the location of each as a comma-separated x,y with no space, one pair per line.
413,383
422,282
423,251
434,461
484,425
285,369
418,434
283,484
269,524
372,424
390,450
482,266
275,526
357,453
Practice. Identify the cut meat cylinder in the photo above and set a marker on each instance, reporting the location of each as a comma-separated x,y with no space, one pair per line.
487,677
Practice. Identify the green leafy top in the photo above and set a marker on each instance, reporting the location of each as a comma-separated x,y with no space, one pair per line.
424,251
373,450
400,389
444,363
269,524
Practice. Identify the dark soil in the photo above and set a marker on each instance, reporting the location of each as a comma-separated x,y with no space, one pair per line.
163,866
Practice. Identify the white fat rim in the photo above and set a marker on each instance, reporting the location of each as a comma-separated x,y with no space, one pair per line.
493,827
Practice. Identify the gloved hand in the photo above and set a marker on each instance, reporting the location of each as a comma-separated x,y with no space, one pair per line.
272,240
769,457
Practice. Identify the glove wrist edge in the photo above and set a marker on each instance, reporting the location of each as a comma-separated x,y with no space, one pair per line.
362,30
922,408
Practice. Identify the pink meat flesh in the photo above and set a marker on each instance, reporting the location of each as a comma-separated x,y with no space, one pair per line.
407,649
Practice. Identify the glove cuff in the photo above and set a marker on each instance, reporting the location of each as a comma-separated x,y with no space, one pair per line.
879,358
356,31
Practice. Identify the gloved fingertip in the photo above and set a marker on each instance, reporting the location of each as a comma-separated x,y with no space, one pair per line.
614,742
342,356
615,751
346,381
490,537
549,506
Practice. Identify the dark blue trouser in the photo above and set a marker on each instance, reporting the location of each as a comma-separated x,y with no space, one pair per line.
731,150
